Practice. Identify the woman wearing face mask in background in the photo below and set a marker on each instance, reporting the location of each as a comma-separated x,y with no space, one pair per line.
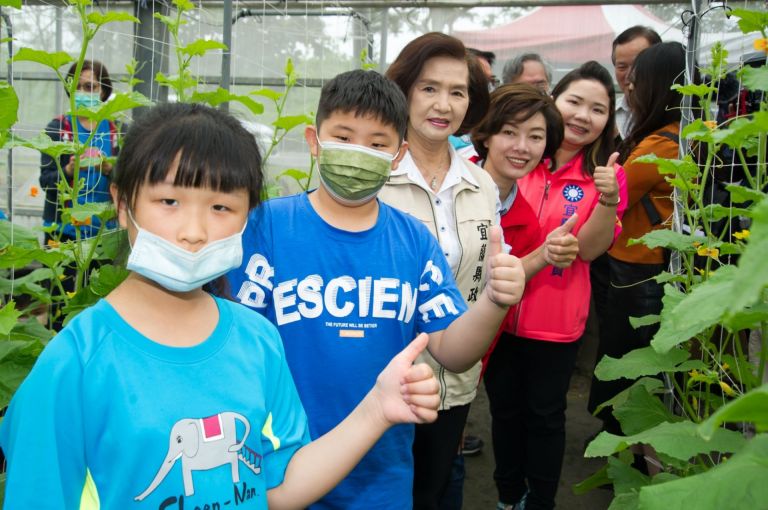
447,94
93,88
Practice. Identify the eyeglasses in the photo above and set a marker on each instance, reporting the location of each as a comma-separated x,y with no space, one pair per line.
89,86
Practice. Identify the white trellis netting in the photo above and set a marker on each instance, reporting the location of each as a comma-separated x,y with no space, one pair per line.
321,41
320,47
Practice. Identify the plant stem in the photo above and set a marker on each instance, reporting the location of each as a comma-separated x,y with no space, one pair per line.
692,415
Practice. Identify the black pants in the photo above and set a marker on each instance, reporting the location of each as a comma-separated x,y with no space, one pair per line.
527,383
632,293
599,277
434,449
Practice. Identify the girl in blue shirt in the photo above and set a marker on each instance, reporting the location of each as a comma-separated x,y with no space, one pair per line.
162,396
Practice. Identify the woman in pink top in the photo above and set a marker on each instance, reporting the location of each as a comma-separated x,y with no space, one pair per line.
539,345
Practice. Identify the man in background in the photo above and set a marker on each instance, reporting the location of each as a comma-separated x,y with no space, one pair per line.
486,59
626,47
528,68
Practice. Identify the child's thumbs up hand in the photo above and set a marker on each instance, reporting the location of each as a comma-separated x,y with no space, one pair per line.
408,392
506,278
605,179
561,247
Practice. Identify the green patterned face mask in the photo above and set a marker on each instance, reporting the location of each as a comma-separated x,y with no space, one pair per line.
353,174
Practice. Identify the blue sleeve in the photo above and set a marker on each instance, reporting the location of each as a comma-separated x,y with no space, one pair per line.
49,173
42,432
439,301
252,282
286,429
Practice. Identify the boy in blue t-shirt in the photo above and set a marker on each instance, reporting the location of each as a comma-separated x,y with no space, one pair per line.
349,280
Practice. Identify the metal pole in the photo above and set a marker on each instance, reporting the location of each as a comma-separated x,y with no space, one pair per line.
59,47
357,42
9,170
384,36
692,52
150,43
226,56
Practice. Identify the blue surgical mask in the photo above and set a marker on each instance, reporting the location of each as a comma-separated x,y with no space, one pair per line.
180,270
87,99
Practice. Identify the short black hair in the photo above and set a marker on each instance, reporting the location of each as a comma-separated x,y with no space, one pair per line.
633,33
214,150
487,55
515,103
366,93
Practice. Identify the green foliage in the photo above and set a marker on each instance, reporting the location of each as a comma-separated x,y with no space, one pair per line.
200,47
54,60
751,21
651,385
752,275
710,303
751,407
641,411
738,482
678,440
691,89
112,109
700,309
8,318
642,362
668,239
221,95
11,3
98,19
22,334
9,108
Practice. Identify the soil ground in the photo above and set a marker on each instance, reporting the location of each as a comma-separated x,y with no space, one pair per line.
479,489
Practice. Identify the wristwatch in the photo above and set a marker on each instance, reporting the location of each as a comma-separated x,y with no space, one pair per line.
602,201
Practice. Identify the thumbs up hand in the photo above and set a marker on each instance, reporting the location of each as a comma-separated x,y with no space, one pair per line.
408,393
561,247
605,179
506,278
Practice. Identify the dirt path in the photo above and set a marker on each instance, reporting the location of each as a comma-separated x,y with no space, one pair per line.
479,489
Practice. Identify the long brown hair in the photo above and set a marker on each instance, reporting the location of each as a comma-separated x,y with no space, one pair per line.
597,152
653,102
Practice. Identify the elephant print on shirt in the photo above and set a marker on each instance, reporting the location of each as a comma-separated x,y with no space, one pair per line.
206,443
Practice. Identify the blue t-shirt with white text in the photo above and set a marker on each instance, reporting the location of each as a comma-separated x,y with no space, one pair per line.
345,304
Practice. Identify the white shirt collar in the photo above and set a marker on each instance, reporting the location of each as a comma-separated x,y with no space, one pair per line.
621,103
507,203
456,172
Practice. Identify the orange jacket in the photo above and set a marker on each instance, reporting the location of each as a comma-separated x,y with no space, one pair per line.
642,179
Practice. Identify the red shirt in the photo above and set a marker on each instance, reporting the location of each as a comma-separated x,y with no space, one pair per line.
523,233
556,301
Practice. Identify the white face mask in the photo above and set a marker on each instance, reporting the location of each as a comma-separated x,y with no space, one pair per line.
180,270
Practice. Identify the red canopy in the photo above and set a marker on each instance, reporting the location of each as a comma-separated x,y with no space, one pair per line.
564,35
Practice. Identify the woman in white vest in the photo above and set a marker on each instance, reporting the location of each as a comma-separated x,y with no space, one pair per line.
447,94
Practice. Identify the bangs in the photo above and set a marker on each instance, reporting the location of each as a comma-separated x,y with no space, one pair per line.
208,156
213,150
